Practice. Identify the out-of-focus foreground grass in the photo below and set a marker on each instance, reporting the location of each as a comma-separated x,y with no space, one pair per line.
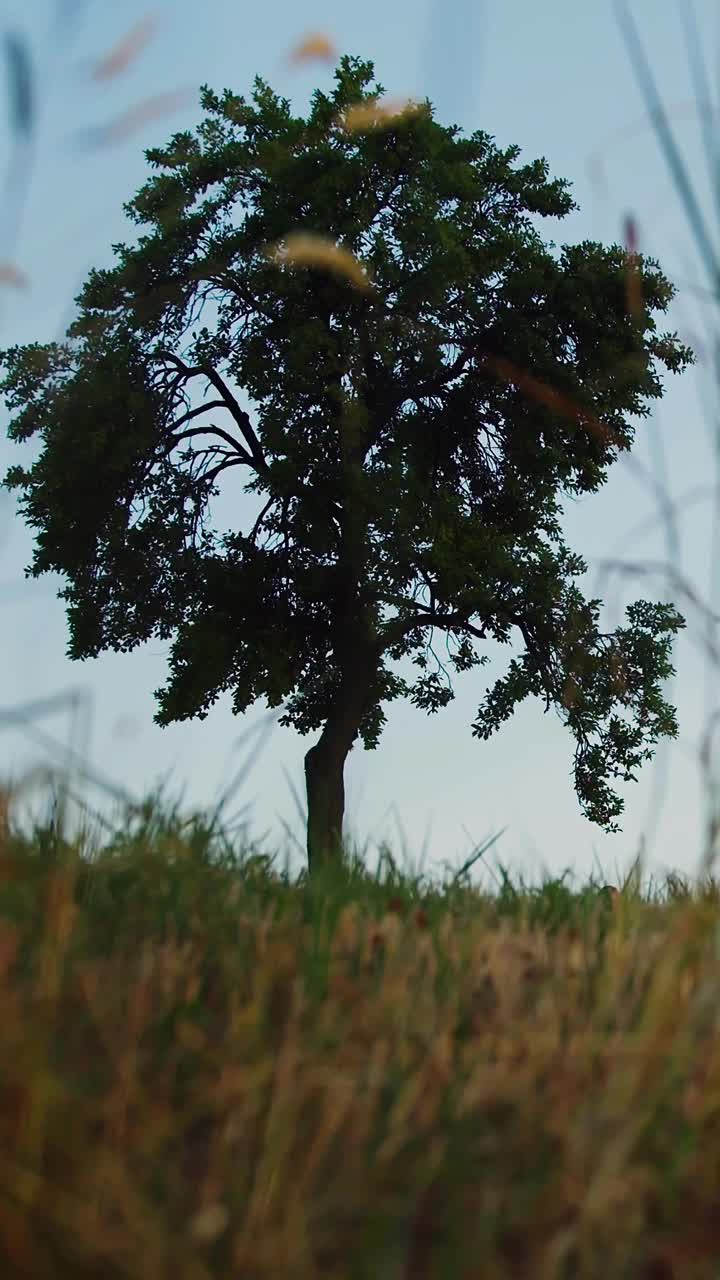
208,1068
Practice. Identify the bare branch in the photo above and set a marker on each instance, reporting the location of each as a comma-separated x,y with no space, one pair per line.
187,371
222,466
194,413
261,517
227,398
218,431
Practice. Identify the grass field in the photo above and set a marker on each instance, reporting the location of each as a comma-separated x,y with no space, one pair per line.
210,1069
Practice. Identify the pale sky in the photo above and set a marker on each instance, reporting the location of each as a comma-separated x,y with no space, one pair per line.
556,79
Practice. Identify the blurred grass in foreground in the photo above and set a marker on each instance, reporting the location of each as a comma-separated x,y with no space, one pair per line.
208,1068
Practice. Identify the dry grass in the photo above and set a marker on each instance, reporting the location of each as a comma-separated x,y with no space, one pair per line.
208,1069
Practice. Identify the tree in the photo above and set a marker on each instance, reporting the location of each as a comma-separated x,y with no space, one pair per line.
411,466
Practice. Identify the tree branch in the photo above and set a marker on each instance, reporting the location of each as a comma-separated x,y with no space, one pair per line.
397,628
228,400
222,466
416,392
186,371
218,431
194,413
260,518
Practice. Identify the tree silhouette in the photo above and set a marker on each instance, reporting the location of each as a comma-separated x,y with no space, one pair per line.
428,379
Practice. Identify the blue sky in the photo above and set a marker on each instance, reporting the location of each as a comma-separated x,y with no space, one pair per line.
558,81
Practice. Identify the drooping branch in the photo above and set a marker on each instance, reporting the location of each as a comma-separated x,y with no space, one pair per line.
218,431
222,466
186,371
195,413
242,419
395,630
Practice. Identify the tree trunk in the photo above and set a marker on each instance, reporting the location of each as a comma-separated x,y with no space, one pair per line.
325,786
357,652
325,762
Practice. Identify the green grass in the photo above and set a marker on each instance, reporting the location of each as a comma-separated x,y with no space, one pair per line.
209,1068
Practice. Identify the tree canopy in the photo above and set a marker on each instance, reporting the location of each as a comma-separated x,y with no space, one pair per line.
428,381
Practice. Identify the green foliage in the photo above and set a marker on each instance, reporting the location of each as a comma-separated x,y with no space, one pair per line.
393,458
